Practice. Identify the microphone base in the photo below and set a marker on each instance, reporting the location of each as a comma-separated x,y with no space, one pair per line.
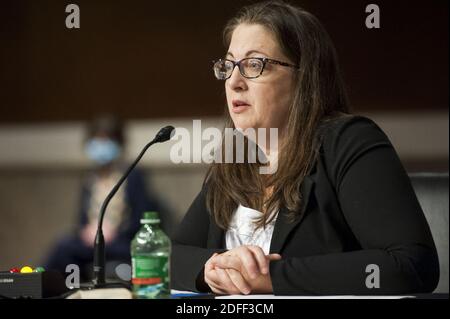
110,290
105,285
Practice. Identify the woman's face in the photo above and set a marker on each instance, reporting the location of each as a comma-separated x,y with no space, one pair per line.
267,97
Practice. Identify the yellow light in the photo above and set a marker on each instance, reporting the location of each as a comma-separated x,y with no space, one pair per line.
26,269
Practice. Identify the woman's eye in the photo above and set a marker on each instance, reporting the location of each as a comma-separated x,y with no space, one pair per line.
254,65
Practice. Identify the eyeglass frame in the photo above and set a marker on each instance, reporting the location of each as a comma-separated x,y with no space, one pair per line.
263,60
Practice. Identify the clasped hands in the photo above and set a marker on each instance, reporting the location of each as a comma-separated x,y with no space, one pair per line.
241,270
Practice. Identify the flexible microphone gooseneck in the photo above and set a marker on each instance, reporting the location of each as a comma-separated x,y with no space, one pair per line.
99,245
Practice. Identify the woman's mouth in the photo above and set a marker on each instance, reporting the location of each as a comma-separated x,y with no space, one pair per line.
239,106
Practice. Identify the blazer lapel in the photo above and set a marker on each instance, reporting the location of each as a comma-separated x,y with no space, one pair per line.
282,226
216,237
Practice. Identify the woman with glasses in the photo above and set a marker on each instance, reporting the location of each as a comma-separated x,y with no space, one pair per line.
338,216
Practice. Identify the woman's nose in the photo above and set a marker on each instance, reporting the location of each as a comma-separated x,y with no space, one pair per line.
236,81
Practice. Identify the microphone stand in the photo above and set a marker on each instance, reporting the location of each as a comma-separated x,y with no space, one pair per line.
99,280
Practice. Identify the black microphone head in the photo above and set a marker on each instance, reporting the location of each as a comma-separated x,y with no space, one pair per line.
164,134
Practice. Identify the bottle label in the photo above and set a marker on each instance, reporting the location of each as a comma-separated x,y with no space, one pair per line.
149,270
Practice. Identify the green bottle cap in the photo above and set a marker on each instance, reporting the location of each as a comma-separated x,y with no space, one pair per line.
150,218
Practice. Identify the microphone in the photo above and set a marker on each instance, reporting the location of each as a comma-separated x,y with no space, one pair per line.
99,244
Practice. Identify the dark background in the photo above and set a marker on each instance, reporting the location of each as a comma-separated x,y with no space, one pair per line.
150,59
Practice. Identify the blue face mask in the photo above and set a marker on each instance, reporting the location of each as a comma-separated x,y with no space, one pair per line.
102,151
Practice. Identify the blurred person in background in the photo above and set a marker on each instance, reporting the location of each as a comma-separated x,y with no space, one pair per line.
104,147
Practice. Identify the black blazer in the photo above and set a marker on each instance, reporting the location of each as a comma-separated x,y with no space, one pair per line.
359,209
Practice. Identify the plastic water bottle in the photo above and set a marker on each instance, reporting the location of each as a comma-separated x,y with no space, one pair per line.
150,253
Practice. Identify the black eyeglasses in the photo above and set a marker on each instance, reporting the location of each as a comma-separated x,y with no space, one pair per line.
249,68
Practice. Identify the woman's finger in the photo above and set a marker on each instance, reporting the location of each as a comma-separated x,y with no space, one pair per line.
218,291
220,283
210,262
226,283
210,274
238,281
213,281
212,257
273,257
215,288
227,260
249,261
260,258
241,259
211,277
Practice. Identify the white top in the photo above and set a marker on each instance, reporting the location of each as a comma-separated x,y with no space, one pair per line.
242,230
